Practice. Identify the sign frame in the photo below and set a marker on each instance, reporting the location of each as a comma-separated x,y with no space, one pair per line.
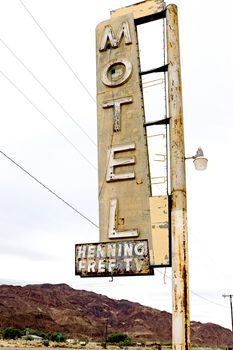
113,259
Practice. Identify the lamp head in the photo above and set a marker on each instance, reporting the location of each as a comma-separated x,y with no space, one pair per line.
200,162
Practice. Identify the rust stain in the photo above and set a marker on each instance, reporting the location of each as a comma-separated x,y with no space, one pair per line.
112,259
178,186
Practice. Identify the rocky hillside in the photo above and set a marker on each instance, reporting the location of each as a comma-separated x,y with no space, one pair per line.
79,313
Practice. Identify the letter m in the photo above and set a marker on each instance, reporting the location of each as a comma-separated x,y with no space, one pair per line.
109,40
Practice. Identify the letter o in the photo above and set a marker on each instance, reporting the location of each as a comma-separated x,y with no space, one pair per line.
116,72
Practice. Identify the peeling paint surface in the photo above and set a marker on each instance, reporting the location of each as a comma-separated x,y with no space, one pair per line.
180,290
141,9
159,210
112,259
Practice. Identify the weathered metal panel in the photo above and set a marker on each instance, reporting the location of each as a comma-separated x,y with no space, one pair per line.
124,183
141,9
159,209
112,259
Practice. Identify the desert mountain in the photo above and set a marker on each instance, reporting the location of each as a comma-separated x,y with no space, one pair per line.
82,314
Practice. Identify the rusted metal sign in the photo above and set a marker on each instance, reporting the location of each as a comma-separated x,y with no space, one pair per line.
112,259
140,9
126,208
124,186
133,226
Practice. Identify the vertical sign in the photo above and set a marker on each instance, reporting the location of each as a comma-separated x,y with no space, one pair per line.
124,181
134,227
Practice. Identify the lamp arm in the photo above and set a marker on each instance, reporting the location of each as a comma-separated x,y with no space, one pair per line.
193,157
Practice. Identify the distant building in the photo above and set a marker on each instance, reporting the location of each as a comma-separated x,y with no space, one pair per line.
32,337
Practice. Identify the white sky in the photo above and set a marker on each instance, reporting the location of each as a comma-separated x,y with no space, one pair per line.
38,232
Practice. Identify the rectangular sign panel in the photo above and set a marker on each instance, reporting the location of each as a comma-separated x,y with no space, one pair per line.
126,210
112,259
160,221
124,183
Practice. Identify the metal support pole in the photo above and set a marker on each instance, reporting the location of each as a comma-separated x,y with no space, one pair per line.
180,285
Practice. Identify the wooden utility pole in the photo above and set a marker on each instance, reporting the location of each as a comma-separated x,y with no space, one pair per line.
230,297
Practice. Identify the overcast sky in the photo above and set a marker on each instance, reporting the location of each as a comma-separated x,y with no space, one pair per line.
48,126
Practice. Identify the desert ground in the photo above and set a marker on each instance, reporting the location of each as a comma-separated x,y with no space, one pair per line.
33,345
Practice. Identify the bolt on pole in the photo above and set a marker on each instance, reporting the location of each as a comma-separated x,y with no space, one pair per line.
180,280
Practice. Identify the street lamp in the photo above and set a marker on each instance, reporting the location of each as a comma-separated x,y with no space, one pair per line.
199,161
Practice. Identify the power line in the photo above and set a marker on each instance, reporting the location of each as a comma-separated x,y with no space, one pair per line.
194,293
48,189
49,121
58,52
208,258
204,298
48,92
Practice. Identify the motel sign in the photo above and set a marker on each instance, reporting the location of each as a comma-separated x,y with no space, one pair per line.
121,258
128,214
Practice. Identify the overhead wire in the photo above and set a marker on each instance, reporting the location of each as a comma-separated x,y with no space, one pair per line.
204,298
207,257
194,293
48,120
52,124
48,189
47,91
58,52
